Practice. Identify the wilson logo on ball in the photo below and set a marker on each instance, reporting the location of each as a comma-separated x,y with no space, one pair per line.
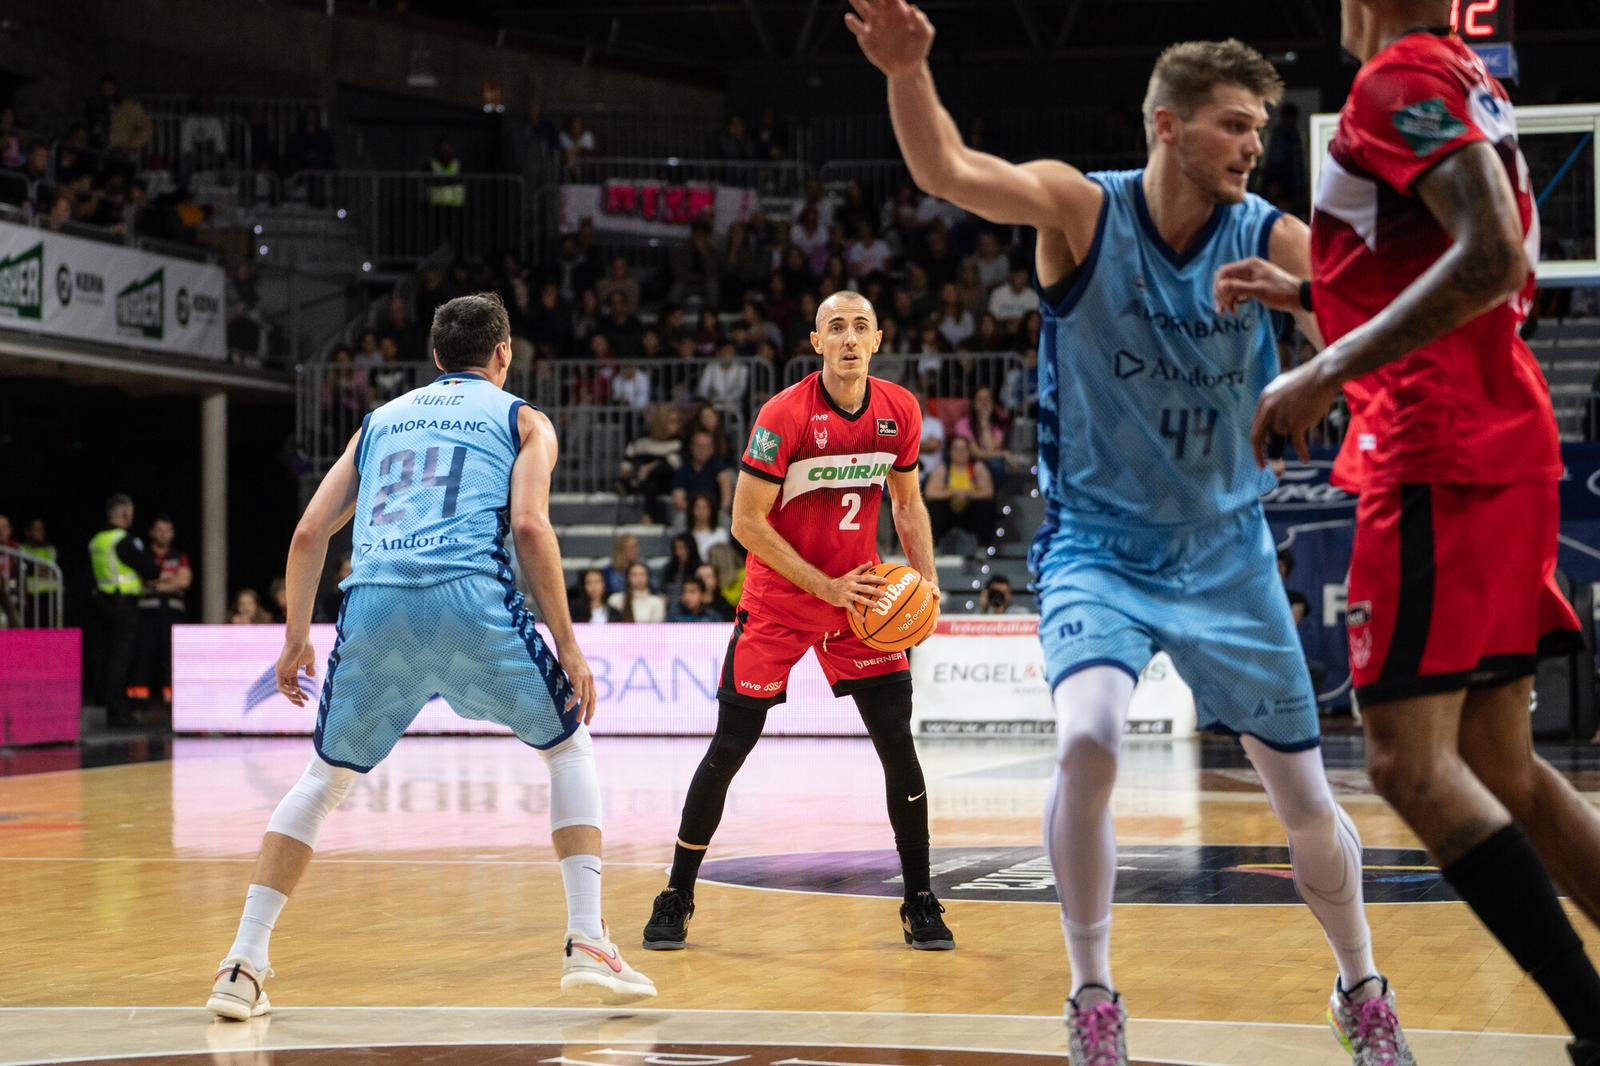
892,592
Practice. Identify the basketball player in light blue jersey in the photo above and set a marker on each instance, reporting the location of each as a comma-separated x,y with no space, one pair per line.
1155,536
434,481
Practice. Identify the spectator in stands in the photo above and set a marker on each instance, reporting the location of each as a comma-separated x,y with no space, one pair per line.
1013,300
674,325
867,253
410,340
621,327
988,428
708,333
550,324
310,146
164,605
624,553
960,494
619,282
683,560
587,599
244,311
703,474
710,419
1020,390
650,346
726,381
704,526
531,139
74,160
989,261
997,597
755,321
697,266
810,236
278,599
131,130
432,293
988,337
693,604
367,356
97,110
389,378
576,142
729,571
37,178
894,339
575,269
938,259
744,265
970,289
202,137
1028,335
61,210
636,603
955,321
632,389
13,156
924,301
734,144
772,137
721,610
931,210
796,270
333,599
247,610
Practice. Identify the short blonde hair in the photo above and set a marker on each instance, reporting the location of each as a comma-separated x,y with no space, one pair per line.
1187,72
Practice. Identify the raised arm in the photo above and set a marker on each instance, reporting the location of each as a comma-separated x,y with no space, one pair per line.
896,38
539,554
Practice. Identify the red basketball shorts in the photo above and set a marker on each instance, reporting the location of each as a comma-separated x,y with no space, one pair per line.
1453,587
762,651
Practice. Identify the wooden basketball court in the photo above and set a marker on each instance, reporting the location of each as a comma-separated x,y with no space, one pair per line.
429,927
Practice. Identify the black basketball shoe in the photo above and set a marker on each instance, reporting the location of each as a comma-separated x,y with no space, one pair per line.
668,927
923,927
1585,1052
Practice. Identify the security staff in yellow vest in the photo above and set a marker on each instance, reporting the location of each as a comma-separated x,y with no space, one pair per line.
121,564
39,586
447,189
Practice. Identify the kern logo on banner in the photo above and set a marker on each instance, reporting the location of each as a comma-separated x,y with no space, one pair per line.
141,308
22,284
109,294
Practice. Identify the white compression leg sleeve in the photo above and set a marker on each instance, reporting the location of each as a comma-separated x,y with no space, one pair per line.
574,782
302,811
1325,850
1079,837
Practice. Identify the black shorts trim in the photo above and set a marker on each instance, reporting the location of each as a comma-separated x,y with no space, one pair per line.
1491,672
1413,623
762,474
753,703
851,686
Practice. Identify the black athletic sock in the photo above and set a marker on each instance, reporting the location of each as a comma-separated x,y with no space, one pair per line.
886,711
1510,891
914,868
685,869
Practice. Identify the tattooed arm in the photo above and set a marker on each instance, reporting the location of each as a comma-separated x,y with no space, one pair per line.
1470,196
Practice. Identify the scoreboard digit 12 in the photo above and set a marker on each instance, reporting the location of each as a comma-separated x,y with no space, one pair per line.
1486,26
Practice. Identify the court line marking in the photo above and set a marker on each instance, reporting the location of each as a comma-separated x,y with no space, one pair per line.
325,862
624,1009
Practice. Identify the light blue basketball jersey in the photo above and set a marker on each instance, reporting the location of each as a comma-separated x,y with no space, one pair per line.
435,468
1146,394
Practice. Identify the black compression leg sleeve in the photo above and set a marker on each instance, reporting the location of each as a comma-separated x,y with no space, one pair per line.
886,710
738,729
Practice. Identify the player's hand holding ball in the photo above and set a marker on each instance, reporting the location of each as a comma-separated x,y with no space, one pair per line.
903,613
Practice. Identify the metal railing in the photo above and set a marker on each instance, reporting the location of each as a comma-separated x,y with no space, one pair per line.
598,408
30,591
283,116
166,143
398,220
938,375
784,178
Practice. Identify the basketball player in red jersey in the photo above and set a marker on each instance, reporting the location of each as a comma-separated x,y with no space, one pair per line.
1423,244
820,454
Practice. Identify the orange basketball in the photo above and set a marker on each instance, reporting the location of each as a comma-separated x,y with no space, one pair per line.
903,613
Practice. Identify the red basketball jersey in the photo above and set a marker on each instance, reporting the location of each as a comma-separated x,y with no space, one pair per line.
1472,407
832,467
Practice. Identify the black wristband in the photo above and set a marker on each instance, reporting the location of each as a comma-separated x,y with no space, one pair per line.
1305,296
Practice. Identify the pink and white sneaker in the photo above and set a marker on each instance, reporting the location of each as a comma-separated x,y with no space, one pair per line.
1370,1029
593,965
1097,1035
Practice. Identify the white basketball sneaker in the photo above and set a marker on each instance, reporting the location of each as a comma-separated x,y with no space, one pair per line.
595,965
239,992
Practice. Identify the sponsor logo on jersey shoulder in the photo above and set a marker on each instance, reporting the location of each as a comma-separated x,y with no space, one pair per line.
888,427
764,445
1428,126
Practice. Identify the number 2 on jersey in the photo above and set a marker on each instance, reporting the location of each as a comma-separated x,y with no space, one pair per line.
851,502
406,462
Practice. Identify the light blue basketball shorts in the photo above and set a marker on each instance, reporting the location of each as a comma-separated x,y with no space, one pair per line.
1209,596
470,640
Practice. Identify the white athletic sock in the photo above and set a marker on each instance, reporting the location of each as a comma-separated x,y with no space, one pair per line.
581,876
1079,835
1089,948
262,905
1325,850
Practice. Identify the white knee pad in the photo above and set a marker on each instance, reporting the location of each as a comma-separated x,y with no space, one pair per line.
300,814
574,783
